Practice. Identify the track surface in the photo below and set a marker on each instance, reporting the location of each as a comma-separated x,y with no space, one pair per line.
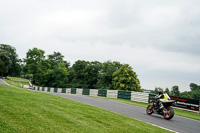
177,123
1,82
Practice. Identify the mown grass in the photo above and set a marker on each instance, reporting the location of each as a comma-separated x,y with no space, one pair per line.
15,78
183,113
177,112
16,83
23,110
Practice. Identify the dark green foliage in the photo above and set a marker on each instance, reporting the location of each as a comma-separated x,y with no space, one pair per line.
57,57
126,79
91,74
175,91
14,67
47,72
54,71
35,64
105,78
156,90
59,76
167,91
4,63
195,91
78,74
186,94
85,74
193,94
194,87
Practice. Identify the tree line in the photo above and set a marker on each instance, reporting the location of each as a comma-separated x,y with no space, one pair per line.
194,92
53,71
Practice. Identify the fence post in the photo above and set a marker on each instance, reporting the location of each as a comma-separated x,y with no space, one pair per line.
199,106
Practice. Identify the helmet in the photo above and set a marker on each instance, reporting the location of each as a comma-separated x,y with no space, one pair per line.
160,92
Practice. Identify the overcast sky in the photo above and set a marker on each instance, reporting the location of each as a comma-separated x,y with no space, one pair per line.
160,39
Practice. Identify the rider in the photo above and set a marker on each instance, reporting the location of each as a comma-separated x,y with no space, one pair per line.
162,98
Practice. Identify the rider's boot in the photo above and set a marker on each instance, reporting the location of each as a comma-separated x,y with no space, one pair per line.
161,106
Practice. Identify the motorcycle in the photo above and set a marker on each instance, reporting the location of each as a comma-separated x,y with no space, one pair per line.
167,112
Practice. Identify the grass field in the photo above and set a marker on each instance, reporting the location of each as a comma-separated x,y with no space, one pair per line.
16,83
183,113
15,78
23,110
177,112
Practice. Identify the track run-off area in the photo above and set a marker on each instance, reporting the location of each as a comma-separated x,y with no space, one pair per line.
176,124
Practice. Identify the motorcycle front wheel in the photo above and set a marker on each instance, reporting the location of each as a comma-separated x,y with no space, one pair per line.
169,113
149,111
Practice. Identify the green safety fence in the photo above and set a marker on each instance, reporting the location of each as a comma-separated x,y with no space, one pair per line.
55,90
42,88
86,92
124,95
63,90
73,90
48,89
102,93
151,96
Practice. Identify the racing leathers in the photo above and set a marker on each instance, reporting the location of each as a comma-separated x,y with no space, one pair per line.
163,98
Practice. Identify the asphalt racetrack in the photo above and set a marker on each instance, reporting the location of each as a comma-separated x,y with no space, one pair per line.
177,123
2,82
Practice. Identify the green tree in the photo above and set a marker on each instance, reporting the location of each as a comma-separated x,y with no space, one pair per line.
126,79
43,74
34,58
195,94
14,67
29,76
57,57
59,75
175,91
4,62
194,86
156,90
195,91
186,94
78,73
105,76
167,91
91,74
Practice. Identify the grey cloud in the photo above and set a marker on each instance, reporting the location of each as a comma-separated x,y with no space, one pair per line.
165,27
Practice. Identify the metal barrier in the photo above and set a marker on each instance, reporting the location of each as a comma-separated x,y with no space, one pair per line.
139,97
86,92
102,93
93,92
182,103
124,95
112,93
79,91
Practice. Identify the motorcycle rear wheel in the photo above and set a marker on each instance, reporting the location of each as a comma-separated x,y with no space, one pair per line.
149,111
169,114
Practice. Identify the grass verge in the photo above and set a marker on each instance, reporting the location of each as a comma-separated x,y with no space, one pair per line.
23,110
16,83
183,113
15,78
